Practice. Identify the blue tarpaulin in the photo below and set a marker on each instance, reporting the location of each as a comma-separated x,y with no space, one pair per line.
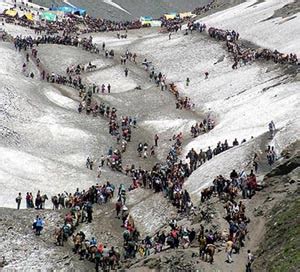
146,18
67,9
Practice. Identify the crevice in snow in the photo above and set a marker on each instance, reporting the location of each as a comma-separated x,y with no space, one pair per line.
68,3
110,2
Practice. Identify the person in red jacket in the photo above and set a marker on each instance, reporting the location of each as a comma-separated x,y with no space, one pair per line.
251,184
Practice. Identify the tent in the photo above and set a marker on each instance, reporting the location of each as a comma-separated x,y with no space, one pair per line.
29,16
48,16
11,12
170,16
145,18
156,23
146,22
80,11
72,10
57,13
153,23
66,9
185,14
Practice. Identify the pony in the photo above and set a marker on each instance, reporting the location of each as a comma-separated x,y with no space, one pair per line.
54,200
92,250
43,201
209,253
207,193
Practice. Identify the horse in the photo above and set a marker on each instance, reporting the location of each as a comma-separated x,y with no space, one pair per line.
91,67
43,200
77,240
55,202
92,250
174,90
207,193
59,235
210,252
114,259
211,32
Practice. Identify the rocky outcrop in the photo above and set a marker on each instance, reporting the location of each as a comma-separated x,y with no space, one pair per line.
151,214
286,167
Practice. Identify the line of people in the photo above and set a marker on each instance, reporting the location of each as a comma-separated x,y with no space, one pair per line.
197,159
206,125
228,190
182,102
244,55
37,203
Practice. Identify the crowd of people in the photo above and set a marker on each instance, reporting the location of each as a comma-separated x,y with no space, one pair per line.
243,55
71,23
205,8
197,159
206,125
167,177
228,190
80,210
37,203
160,79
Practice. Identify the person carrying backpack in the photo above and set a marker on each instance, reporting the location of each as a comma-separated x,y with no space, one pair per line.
38,225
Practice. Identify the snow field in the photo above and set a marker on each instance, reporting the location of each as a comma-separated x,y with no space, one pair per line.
251,20
51,144
115,76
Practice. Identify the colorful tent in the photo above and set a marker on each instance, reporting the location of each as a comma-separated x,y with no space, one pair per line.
80,11
48,16
145,18
29,16
153,23
11,12
185,14
156,23
146,22
66,9
72,10
170,16
57,13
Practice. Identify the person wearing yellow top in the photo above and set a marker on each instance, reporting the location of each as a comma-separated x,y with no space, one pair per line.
228,250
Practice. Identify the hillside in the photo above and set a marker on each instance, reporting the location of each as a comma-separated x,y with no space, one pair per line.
278,251
128,9
47,134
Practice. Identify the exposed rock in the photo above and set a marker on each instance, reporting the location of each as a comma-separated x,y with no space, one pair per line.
286,167
152,213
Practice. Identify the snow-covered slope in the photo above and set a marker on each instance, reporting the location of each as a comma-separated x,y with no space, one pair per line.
44,141
49,145
255,21
243,101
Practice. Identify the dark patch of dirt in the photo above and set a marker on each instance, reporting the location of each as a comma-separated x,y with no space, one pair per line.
257,3
286,11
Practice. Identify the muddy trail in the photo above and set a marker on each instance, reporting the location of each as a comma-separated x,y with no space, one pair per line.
258,209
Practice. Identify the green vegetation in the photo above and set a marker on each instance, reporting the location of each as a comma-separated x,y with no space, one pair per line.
282,240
